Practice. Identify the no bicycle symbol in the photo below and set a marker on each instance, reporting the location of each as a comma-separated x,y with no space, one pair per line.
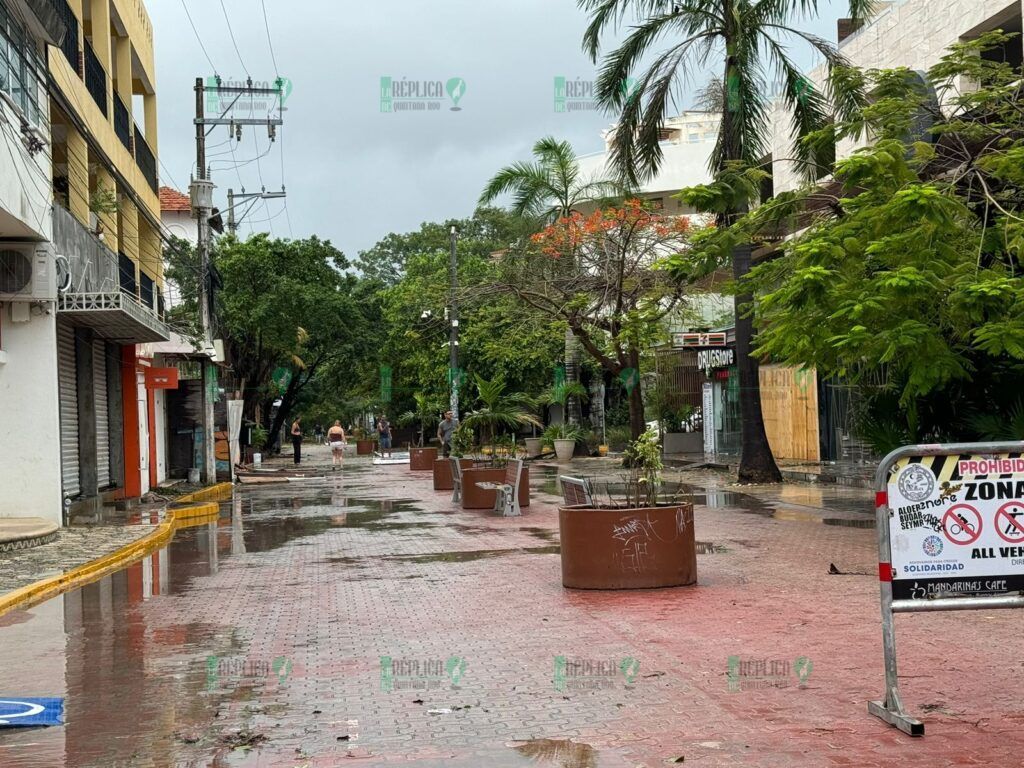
1009,525
962,524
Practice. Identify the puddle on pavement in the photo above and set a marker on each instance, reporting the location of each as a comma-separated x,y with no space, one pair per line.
459,556
538,753
710,548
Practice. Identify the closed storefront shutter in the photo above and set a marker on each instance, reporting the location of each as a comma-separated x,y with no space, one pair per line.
99,374
68,409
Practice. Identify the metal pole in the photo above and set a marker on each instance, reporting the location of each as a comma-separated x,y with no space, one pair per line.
202,204
453,318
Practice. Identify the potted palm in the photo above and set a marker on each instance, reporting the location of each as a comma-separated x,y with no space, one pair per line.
364,443
497,409
424,413
563,439
461,447
641,538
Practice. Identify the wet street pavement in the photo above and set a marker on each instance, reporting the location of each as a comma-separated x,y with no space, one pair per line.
361,618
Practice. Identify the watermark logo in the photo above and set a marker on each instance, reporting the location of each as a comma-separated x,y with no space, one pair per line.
594,674
578,95
630,378
755,674
219,669
421,674
226,95
405,95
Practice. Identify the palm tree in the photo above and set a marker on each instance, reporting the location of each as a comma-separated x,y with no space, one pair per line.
499,409
750,38
425,412
546,190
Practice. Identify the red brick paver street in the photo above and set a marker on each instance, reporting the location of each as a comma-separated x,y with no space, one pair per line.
259,642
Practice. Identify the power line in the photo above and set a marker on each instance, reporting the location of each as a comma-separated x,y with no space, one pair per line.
199,39
233,42
266,23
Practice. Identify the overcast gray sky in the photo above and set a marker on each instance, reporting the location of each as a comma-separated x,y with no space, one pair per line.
353,172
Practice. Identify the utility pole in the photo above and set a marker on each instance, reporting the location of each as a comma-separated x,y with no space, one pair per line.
453,318
202,209
243,196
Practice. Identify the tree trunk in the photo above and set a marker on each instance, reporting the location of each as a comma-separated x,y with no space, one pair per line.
757,464
637,423
573,411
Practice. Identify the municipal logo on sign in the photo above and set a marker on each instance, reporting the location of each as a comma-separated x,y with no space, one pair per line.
932,546
19,712
916,483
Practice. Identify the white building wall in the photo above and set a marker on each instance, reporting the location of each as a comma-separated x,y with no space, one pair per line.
907,33
29,422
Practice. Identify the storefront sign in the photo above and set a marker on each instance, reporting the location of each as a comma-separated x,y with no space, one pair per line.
957,526
682,340
161,378
709,359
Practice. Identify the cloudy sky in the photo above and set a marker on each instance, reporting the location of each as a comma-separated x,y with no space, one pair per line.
354,173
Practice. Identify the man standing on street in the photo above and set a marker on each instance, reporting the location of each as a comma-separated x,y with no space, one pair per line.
297,438
444,433
384,435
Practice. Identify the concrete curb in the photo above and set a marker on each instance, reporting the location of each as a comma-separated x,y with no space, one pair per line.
201,508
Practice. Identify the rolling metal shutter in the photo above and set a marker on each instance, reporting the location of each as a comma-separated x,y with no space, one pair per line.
68,409
99,377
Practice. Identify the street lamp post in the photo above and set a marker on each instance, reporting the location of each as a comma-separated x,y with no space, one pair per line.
453,319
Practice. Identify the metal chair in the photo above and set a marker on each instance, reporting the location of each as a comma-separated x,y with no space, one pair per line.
506,499
456,479
576,491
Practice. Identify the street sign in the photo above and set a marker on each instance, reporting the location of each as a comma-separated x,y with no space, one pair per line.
28,712
950,523
385,384
281,377
689,340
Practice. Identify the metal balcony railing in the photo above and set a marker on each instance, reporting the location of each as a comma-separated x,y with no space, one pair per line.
145,159
122,124
95,78
97,296
146,290
69,45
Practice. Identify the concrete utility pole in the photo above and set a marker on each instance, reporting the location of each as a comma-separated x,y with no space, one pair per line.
202,209
453,318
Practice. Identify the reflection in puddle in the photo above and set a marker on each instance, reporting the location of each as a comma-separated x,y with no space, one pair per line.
559,754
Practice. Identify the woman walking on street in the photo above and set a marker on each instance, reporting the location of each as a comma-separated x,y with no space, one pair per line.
297,438
336,439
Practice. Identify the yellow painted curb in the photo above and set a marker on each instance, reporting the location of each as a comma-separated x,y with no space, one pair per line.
183,517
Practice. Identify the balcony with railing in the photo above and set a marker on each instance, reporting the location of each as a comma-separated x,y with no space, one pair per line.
69,40
95,78
122,123
146,160
98,296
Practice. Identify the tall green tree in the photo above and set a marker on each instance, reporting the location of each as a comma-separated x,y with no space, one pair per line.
750,41
550,188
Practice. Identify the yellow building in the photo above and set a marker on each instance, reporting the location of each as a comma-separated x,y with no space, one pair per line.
106,225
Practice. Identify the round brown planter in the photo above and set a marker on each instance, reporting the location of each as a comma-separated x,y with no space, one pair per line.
480,498
627,548
422,459
365,447
443,473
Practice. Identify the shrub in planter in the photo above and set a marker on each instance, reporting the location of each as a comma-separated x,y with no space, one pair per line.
637,541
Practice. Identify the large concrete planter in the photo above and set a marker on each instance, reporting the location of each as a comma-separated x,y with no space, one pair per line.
534,446
443,480
365,447
627,548
479,498
422,459
564,449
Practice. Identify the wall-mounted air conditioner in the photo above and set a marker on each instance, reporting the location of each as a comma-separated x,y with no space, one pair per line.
27,272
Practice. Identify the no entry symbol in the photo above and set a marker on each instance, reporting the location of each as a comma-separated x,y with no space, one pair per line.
962,524
1010,522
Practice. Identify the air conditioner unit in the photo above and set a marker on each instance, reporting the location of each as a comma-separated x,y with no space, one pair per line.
27,272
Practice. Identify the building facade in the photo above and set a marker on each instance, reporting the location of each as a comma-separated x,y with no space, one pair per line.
87,183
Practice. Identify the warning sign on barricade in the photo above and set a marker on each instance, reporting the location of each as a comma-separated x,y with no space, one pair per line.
950,537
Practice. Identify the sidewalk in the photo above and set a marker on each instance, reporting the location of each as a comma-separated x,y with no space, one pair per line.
852,474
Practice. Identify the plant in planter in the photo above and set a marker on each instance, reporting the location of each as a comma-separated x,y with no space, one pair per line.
424,413
258,437
638,540
462,441
562,438
498,410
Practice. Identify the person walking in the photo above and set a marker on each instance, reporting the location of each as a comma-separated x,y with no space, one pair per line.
336,439
384,435
445,430
318,433
297,438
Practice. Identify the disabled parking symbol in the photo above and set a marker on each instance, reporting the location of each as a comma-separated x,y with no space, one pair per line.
29,712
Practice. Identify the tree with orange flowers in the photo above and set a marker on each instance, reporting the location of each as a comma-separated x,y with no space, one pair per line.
600,273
